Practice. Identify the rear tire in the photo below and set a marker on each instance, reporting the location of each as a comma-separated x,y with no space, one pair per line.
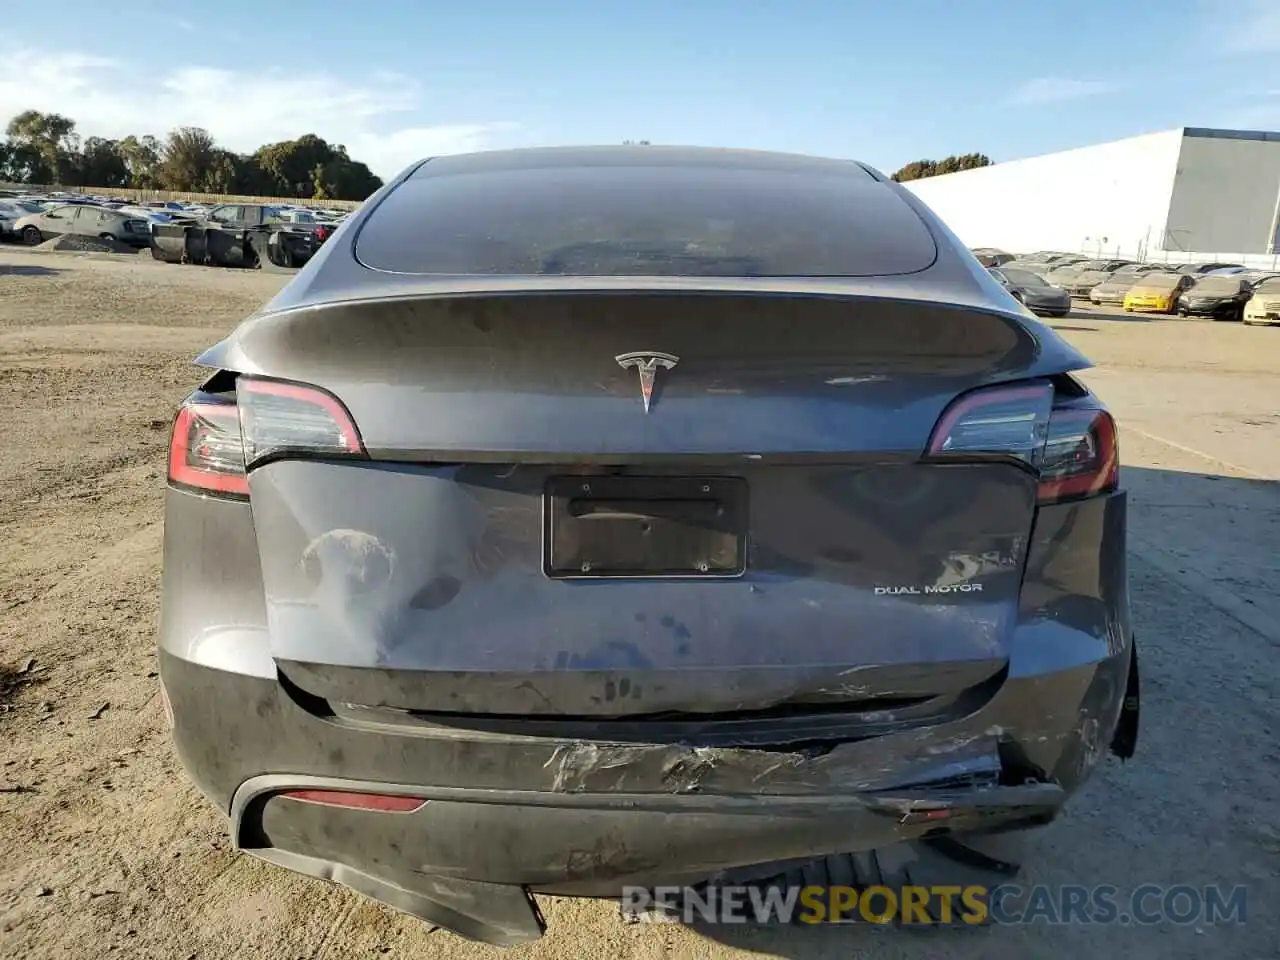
32,235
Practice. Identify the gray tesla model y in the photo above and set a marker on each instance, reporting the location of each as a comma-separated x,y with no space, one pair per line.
590,517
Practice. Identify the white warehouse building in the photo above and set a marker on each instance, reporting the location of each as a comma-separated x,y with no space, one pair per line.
1160,196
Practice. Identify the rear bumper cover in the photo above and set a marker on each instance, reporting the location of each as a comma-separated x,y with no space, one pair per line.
507,813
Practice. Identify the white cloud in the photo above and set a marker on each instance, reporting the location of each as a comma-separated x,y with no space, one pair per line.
1056,90
377,119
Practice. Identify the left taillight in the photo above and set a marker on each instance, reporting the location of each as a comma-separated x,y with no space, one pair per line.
218,439
279,418
206,452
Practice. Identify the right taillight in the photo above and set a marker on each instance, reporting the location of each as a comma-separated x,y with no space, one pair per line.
1081,454
1071,445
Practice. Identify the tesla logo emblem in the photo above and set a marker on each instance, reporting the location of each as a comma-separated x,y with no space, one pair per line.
647,363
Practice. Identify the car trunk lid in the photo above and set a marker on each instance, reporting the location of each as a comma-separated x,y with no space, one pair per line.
813,559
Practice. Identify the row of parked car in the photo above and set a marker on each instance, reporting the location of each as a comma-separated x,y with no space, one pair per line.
1047,282
32,219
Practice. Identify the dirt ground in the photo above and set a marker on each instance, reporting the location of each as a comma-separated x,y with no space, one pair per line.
106,848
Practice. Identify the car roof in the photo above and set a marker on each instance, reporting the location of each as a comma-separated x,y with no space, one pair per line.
630,156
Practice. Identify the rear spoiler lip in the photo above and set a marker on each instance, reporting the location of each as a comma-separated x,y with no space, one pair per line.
1055,354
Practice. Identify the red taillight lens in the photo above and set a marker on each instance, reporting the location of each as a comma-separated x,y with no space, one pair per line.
381,802
322,233
283,418
216,441
1081,455
206,452
1072,447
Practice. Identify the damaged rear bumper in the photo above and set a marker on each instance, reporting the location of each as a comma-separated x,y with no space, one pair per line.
539,842
515,807
507,816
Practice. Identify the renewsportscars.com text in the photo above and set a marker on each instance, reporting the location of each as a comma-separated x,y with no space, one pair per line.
1147,904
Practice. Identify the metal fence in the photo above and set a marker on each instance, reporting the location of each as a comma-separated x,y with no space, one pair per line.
1254,261
144,196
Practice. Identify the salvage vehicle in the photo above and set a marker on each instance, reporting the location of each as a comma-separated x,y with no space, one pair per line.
249,216
1112,289
1047,259
1157,292
250,235
11,211
1038,294
1196,269
590,517
1080,282
83,219
1219,297
1263,307
1065,275
991,257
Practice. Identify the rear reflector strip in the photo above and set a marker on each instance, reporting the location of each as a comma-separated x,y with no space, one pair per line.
380,802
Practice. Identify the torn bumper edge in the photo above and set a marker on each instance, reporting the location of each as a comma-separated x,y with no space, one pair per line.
503,914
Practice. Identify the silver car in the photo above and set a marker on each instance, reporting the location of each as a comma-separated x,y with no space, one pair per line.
86,220
11,211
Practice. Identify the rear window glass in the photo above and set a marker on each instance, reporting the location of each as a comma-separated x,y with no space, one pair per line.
646,220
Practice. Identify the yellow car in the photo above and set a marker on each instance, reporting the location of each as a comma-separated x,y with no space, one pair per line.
1156,293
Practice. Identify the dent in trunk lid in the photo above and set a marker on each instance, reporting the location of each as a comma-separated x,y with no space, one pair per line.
421,587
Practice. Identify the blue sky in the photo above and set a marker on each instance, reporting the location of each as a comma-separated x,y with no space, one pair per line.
881,82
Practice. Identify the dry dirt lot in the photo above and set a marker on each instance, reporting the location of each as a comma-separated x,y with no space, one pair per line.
106,849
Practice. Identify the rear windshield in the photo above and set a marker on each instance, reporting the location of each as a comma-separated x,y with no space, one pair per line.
646,220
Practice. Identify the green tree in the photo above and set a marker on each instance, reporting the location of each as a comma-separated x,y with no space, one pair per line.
311,167
343,179
99,163
141,156
46,138
187,159
44,148
919,169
